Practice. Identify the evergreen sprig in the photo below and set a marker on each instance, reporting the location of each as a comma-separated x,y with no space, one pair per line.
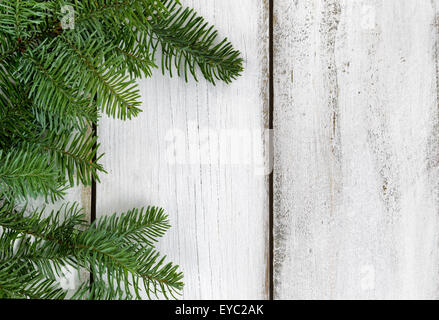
118,260
28,173
55,82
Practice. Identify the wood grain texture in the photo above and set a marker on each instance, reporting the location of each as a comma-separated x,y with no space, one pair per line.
357,149
198,151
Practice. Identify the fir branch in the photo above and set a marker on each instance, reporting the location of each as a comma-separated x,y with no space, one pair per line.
27,173
43,256
22,18
112,13
100,250
51,90
118,95
137,58
187,41
138,226
18,280
75,155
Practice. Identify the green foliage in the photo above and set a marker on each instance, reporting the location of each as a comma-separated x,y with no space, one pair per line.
115,252
55,82
187,41
28,173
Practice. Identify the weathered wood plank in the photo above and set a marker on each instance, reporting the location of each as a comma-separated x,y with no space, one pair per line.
357,149
197,151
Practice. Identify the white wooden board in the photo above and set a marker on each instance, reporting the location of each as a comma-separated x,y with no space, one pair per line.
357,149
198,151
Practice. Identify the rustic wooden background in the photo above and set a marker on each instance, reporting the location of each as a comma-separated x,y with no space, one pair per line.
355,192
